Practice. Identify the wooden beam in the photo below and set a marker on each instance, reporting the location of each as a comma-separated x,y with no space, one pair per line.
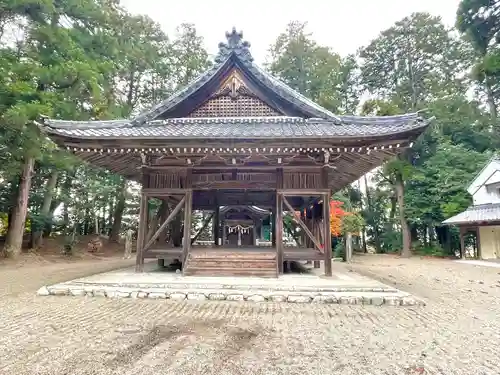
302,192
205,224
163,192
302,225
170,217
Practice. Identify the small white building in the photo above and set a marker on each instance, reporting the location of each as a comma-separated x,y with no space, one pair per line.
483,217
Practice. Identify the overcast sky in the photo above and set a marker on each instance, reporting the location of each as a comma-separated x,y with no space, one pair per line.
344,25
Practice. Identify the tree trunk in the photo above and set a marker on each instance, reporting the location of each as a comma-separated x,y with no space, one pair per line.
45,211
14,238
66,192
114,234
405,230
490,98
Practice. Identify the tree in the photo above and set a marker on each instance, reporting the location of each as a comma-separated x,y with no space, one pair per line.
479,20
313,70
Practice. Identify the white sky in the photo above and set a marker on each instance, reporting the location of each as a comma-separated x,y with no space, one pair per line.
341,24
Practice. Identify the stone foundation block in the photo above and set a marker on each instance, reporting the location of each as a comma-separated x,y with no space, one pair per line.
142,294
99,293
177,296
59,291
377,301
324,299
77,292
235,297
408,301
392,300
43,291
256,298
123,294
157,295
196,297
299,299
350,300
216,296
277,298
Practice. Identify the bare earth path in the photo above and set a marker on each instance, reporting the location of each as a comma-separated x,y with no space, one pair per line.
458,332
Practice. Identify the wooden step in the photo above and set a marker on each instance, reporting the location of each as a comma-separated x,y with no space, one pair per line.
235,263
222,271
231,255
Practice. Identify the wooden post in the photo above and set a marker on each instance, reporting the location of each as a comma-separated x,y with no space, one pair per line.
141,234
254,233
327,246
478,243
273,228
223,240
462,243
216,225
279,232
187,226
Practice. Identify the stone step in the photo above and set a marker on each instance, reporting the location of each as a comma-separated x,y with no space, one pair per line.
230,271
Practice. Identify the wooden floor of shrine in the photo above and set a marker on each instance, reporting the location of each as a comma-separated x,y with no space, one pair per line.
233,260
290,253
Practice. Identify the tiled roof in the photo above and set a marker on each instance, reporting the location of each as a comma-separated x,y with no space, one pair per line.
476,214
236,51
239,127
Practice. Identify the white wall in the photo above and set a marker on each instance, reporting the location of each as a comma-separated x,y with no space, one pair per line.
485,188
486,195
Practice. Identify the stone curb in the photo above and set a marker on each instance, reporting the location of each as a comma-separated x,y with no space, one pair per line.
343,298
246,288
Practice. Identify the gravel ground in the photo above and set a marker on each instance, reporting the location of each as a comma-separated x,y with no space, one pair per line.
458,332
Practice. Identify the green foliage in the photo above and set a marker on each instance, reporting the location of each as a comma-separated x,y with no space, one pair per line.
429,250
314,70
352,223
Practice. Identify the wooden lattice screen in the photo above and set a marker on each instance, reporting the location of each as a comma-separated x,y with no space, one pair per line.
225,106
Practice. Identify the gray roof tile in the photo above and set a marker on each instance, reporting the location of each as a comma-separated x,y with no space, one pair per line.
240,127
476,214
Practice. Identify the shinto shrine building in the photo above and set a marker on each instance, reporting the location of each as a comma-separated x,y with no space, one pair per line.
237,137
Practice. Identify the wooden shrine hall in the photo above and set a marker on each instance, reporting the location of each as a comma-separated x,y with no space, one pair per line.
237,136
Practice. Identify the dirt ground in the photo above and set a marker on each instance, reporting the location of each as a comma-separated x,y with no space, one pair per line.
458,332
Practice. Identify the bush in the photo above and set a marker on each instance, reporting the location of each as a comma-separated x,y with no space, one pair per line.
339,250
432,250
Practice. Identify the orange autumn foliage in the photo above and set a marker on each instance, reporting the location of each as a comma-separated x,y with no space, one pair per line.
336,215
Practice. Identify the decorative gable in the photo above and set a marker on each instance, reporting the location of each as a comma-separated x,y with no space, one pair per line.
233,98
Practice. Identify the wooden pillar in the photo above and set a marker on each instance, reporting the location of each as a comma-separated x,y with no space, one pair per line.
141,233
273,228
327,245
188,205
462,242
254,233
314,230
223,240
216,225
279,231
478,243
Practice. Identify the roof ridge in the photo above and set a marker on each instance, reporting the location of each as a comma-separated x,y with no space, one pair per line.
236,48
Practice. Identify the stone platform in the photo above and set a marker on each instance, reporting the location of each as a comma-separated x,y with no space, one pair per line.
342,288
